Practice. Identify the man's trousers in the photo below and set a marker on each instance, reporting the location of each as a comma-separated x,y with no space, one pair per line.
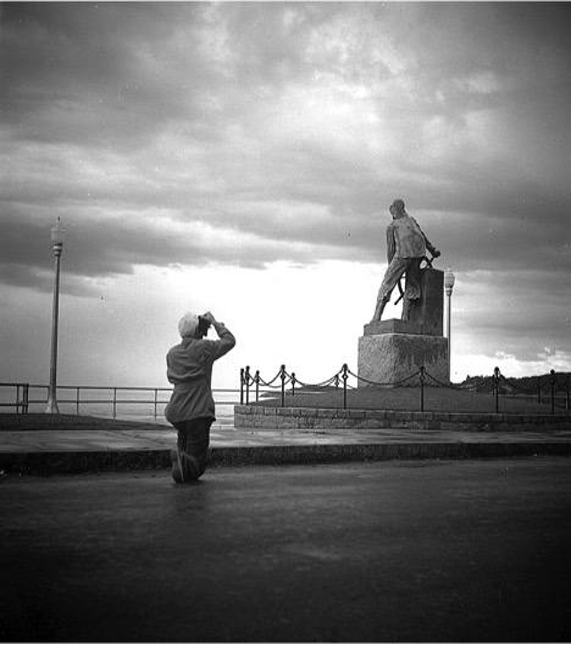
193,439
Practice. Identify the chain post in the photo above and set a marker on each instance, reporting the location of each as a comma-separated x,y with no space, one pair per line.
552,386
293,382
496,382
257,381
422,386
282,378
247,379
345,380
242,386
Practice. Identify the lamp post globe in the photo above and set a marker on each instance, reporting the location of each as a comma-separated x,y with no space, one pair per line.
449,282
57,239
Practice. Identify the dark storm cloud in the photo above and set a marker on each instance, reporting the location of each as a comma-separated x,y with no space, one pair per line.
285,127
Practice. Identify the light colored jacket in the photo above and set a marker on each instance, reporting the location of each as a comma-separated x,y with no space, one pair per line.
189,368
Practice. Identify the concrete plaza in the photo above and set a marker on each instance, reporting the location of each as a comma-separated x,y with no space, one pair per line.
393,549
415,551
57,444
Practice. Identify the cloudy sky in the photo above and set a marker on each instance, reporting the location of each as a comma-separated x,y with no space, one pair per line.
240,157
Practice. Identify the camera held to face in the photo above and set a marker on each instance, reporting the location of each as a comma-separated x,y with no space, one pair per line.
204,325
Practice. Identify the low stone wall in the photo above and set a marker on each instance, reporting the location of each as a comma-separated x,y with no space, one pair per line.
256,416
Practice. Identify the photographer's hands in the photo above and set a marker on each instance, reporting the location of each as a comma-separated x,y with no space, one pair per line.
214,322
208,316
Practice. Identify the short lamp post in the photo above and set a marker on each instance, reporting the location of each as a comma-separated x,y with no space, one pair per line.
449,284
57,247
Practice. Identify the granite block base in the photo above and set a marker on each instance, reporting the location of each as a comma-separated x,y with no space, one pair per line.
389,359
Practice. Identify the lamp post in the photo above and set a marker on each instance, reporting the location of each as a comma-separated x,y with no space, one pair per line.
57,236
449,283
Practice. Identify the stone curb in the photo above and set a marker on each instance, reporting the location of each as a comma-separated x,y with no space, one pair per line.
288,418
60,463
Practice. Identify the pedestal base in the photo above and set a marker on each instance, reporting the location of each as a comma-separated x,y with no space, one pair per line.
390,358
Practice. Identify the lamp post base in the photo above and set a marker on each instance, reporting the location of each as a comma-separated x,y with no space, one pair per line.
52,406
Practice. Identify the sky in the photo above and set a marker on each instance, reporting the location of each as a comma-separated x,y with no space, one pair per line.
240,158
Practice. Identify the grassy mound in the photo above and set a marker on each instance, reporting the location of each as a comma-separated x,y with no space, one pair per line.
440,399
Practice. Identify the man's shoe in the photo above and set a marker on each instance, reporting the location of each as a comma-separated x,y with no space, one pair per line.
177,471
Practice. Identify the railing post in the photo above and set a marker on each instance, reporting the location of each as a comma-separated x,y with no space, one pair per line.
345,380
242,386
247,379
155,404
282,378
422,386
26,394
293,382
552,385
114,402
496,381
257,381
568,393
539,396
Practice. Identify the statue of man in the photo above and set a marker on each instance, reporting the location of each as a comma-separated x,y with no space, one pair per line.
406,247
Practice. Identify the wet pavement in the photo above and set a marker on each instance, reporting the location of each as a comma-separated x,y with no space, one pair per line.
401,551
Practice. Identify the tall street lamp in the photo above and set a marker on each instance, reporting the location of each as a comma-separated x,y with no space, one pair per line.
449,283
57,247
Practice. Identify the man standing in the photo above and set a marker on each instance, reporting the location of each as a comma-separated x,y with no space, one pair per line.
406,247
191,408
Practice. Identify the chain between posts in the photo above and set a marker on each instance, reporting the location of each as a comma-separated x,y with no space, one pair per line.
342,376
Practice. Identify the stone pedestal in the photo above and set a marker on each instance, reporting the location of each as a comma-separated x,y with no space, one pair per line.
390,358
392,350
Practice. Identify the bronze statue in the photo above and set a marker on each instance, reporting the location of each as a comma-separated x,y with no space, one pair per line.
407,245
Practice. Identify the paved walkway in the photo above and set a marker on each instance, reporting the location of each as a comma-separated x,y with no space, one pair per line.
386,552
46,444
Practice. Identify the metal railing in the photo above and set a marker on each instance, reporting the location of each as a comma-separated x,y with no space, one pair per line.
558,392
25,397
28,397
21,393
